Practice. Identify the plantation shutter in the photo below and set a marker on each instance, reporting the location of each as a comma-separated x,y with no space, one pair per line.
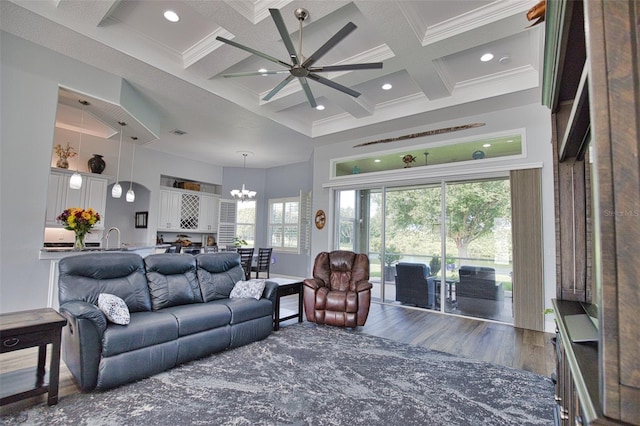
304,224
227,223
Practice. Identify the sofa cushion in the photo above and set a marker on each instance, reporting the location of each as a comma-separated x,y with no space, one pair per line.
250,288
246,309
172,280
217,274
199,317
85,276
114,308
144,329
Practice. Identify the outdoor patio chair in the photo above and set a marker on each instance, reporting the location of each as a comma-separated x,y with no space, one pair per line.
414,286
477,293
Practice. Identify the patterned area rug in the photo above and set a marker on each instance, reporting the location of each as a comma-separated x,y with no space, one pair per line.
315,375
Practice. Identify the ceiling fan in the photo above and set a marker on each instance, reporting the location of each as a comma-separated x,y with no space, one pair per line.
302,67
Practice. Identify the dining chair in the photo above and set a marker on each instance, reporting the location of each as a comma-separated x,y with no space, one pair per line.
211,249
231,248
263,262
193,251
246,258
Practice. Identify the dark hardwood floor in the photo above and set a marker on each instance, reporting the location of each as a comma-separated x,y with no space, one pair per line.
492,342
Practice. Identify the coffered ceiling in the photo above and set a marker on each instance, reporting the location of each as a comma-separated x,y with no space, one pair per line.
430,52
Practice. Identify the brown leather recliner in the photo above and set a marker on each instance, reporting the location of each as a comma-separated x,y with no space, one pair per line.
339,292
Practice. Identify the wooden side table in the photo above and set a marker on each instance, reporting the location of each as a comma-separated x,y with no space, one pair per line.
27,329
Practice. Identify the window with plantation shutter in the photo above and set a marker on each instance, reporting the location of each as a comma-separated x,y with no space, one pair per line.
289,228
227,223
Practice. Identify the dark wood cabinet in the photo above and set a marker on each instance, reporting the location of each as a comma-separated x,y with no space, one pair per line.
592,85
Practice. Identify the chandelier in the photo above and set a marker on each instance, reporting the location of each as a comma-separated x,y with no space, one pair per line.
243,194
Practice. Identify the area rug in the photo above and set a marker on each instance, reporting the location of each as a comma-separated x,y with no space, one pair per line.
306,374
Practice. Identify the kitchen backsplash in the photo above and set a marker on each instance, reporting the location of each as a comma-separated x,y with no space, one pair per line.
60,235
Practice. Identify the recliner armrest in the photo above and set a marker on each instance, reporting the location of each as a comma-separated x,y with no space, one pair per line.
270,291
313,283
78,309
82,341
363,286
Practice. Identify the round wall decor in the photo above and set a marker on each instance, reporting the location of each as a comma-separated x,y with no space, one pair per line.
321,219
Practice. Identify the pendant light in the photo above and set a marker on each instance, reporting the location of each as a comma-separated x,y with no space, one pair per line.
116,191
243,194
76,179
131,196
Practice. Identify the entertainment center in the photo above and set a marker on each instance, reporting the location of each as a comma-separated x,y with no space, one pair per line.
591,84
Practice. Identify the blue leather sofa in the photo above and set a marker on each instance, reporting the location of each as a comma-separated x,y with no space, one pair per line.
179,308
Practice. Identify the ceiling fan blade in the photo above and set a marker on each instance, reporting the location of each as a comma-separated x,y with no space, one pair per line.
279,87
334,85
248,74
347,67
253,51
345,31
307,91
284,34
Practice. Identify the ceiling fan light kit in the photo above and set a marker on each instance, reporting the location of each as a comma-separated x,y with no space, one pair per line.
301,67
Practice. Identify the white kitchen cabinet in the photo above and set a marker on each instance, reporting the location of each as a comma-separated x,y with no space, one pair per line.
95,196
208,217
183,210
55,198
169,217
92,194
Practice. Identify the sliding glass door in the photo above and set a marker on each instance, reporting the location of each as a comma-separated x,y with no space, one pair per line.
412,235
463,267
478,262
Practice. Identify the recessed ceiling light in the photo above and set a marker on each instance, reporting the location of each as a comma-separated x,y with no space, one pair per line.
504,60
386,86
377,160
486,145
171,16
320,107
263,70
486,57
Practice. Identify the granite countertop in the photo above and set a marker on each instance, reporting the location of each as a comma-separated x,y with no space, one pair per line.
57,253
124,247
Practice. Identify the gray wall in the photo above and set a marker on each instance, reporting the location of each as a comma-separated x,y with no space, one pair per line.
29,79
277,182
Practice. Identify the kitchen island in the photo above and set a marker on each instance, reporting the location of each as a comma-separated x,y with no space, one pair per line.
54,254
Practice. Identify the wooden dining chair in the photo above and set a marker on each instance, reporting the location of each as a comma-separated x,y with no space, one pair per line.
263,262
246,258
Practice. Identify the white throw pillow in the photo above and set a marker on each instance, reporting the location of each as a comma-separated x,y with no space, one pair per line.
245,289
114,308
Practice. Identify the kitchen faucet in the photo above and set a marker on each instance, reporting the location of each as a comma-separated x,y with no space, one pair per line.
106,237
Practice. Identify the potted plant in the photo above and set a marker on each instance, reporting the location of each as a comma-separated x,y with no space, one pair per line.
238,242
391,256
434,265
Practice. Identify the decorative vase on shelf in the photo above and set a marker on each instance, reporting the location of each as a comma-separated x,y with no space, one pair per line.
96,164
79,242
62,163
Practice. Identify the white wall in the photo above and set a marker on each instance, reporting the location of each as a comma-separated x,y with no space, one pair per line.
29,79
534,118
